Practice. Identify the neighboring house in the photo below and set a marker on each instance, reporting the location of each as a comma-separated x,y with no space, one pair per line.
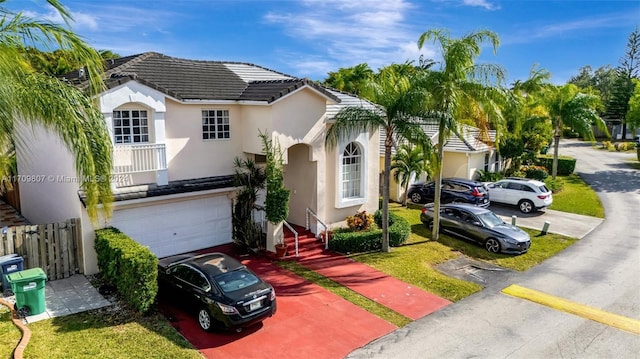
463,155
176,127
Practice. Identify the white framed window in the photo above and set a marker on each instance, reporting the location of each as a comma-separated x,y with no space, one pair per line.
215,124
130,126
351,171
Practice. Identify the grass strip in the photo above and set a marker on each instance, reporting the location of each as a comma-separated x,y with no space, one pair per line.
338,289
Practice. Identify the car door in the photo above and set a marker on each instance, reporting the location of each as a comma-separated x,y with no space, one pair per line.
498,192
428,192
449,220
473,228
189,285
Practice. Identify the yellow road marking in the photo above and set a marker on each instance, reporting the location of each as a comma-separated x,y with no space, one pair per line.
610,319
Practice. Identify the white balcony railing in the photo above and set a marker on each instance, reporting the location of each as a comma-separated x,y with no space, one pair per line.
139,158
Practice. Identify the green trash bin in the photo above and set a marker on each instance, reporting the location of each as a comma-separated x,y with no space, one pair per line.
28,287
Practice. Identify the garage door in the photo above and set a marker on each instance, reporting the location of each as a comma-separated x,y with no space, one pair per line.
177,227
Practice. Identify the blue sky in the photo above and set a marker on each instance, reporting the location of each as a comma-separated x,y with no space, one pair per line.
309,38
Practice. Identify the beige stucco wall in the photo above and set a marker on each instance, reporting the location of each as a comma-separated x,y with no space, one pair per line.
336,216
47,178
454,164
188,155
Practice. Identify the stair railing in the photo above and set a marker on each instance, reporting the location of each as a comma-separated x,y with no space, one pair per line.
324,238
295,234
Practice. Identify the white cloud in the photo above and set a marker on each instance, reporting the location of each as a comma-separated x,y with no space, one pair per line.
481,3
348,33
570,28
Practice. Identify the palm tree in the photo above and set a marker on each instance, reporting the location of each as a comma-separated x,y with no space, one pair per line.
458,86
350,79
399,99
407,161
33,98
567,106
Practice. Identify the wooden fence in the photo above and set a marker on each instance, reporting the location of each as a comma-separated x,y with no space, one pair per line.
54,247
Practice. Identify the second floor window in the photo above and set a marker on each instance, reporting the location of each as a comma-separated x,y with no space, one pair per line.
130,126
215,124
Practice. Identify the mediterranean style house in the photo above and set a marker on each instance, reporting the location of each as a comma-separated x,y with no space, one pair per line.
177,125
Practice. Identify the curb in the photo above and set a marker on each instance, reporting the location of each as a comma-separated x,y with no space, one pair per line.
26,333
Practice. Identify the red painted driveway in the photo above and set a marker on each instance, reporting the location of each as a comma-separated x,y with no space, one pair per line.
310,323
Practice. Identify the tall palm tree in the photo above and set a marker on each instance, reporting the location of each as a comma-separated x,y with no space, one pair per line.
459,85
399,99
567,106
407,162
33,98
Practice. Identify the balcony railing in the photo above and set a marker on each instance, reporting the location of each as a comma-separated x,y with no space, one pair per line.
139,158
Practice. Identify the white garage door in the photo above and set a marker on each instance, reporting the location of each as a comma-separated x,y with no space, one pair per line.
177,227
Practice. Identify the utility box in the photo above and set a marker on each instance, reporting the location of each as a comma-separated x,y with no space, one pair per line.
9,264
28,287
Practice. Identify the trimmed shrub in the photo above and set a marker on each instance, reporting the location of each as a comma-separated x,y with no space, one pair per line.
345,240
554,185
131,267
535,172
566,165
399,228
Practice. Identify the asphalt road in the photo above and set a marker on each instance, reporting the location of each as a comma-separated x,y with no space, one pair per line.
602,271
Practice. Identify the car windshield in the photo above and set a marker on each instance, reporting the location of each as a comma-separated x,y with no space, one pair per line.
236,280
490,220
543,189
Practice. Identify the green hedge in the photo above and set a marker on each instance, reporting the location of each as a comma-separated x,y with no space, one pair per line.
346,241
131,267
566,165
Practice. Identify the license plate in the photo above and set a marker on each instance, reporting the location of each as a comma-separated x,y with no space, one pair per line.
254,306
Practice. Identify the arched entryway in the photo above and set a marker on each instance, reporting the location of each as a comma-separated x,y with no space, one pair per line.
300,177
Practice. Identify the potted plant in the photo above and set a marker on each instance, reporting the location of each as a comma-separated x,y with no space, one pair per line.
281,248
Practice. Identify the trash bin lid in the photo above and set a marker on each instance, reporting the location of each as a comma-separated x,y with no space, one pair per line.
8,257
27,275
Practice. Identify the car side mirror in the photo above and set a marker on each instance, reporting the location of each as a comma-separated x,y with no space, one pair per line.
476,223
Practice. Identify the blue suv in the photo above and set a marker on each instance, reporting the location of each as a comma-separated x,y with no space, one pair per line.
454,190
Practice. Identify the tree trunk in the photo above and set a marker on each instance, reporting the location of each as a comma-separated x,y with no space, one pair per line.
406,193
385,192
435,234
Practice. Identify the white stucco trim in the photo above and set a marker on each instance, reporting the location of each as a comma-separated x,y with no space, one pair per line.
132,92
362,140
331,100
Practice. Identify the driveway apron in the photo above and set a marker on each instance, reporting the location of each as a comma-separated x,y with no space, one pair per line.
392,293
310,322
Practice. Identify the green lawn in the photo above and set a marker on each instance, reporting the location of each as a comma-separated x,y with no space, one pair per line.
98,334
577,197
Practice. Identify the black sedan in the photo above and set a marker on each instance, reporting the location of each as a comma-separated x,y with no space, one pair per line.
478,225
453,190
223,292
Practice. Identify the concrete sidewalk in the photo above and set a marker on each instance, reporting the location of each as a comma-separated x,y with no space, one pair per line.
567,224
66,296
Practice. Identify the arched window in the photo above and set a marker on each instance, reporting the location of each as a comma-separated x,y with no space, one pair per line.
351,171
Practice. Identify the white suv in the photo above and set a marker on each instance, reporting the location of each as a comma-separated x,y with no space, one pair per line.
529,195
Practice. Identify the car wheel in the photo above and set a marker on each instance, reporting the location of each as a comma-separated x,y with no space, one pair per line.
492,245
204,319
430,225
415,197
526,206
